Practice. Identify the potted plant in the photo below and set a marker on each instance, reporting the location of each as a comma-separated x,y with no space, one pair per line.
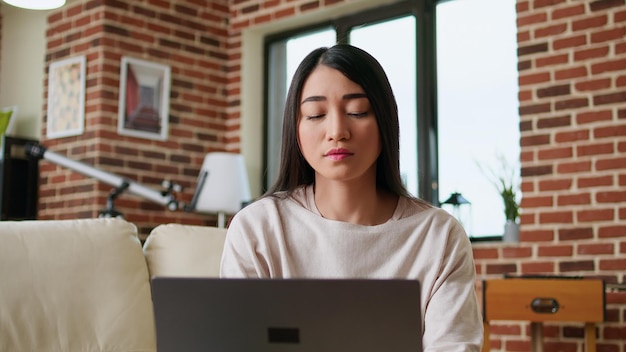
504,181
511,212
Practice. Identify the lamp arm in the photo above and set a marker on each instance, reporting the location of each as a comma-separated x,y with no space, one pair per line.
167,199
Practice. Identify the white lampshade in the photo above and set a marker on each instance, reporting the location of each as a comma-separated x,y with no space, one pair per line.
36,4
223,184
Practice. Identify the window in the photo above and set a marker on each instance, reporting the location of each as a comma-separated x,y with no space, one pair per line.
477,106
449,120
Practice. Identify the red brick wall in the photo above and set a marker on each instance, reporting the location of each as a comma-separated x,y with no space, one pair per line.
190,36
572,78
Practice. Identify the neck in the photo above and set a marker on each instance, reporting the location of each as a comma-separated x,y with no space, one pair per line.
354,203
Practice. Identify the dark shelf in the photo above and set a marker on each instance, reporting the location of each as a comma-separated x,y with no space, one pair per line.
19,180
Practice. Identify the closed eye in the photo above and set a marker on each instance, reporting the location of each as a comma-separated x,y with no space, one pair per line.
315,117
357,114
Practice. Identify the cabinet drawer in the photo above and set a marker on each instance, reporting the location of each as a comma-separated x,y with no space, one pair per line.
544,299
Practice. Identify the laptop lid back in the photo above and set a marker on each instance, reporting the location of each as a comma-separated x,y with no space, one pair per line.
348,315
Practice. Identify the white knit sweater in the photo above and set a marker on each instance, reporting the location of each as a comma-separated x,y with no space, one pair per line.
288,238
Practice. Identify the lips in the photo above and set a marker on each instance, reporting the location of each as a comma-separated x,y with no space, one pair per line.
338,154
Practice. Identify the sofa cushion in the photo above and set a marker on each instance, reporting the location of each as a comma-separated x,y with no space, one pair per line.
184,250
74,285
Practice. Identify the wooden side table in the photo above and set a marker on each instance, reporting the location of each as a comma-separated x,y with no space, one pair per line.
544,299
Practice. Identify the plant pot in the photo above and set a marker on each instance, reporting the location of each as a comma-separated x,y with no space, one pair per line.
511,232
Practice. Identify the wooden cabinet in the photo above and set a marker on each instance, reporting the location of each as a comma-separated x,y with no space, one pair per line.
545,299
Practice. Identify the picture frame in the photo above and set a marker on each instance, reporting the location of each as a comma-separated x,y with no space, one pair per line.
144,99
66,97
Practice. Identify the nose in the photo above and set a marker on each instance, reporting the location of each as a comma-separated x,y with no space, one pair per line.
338,126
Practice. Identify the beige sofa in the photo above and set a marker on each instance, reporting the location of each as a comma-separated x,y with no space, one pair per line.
84,285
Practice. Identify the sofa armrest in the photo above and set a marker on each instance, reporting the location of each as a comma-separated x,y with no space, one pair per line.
74,285
184,250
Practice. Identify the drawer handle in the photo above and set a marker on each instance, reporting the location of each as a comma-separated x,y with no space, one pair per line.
544,305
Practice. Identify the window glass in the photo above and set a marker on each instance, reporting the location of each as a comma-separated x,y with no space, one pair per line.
399,62
478,118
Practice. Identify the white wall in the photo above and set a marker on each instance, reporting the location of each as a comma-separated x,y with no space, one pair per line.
22,67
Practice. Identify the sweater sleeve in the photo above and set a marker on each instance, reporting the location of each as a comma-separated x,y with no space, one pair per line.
240,257
452,320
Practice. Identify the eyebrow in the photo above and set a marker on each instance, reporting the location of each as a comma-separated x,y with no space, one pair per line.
345,97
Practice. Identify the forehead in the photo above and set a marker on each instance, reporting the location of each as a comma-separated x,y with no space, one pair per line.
325,81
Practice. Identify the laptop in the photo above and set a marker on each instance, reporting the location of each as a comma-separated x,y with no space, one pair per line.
284,315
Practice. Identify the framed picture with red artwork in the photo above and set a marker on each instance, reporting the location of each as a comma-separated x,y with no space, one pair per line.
144,99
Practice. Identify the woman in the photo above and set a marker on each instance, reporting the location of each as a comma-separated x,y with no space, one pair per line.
339,209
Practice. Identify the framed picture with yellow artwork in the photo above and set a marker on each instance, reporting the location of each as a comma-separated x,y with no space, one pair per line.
66,98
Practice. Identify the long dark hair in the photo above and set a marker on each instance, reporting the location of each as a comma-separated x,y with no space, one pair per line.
364,70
